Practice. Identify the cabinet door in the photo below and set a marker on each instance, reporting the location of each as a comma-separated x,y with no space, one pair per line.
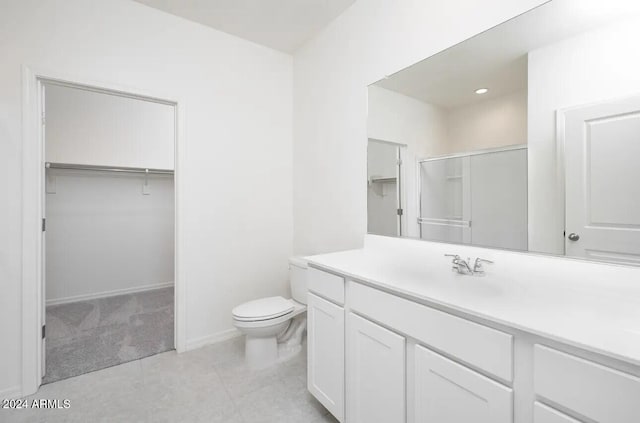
449,392
325,365
376,373
544,414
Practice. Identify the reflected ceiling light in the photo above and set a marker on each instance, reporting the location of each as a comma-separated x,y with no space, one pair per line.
482,90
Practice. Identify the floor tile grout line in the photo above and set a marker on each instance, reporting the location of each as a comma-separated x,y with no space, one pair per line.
236,409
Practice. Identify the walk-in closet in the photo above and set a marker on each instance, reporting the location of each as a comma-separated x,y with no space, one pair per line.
108,231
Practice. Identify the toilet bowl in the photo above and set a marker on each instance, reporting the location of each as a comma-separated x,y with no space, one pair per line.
274,326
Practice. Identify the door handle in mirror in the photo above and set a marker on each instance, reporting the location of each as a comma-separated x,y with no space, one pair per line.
574,236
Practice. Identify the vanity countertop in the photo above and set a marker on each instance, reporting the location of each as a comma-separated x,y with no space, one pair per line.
587,305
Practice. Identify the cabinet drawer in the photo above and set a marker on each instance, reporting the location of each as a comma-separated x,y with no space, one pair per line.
544,414
592,390
446,391
485,348
326,285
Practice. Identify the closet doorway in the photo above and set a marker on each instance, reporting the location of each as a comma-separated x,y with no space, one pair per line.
385,199
108,229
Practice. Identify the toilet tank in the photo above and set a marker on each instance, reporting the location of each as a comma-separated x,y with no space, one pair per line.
298,279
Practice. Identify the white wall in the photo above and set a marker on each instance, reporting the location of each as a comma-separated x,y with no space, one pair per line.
237,199
591,67
371,39
105,237
394,117
492,123
87,127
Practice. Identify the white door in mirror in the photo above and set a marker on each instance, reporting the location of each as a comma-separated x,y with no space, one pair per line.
602,143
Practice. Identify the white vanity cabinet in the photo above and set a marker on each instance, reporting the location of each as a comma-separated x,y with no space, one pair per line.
375,373
375,355
446,391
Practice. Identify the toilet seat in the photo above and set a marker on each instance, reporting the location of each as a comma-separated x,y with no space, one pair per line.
263,309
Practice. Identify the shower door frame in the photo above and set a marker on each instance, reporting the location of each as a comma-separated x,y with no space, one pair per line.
33,177
419,162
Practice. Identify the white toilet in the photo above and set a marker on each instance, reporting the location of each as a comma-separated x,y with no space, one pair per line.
274,326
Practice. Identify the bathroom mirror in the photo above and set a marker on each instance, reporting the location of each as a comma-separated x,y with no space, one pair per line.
523,137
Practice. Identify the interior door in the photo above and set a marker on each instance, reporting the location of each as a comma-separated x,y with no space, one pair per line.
602,146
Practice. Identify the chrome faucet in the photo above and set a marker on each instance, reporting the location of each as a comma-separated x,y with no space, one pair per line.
462,266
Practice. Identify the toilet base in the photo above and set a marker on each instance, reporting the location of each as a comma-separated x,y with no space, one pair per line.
261,352
263,348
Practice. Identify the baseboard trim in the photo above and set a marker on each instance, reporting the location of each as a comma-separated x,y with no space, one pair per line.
225,335
105,294
11,393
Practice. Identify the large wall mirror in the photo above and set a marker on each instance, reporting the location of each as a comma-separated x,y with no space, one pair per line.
524,137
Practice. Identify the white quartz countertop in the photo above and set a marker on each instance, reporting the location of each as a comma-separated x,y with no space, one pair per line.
591,306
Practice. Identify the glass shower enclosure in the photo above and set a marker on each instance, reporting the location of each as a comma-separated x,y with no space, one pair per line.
477,198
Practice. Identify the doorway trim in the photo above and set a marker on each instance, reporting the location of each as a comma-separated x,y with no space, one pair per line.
32,209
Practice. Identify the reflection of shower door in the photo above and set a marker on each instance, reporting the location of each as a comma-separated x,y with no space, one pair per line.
602,144
477,198
445,200
384,187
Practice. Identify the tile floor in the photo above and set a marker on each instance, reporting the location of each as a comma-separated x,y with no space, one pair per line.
210,384
85,336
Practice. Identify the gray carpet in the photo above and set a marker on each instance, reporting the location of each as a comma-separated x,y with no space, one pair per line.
90,335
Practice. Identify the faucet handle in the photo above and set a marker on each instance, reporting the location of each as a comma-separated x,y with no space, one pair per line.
455,257
477,266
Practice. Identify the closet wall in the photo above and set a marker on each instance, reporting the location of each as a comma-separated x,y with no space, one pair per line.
105,236
102,129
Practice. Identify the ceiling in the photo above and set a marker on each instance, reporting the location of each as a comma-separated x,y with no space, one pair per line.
280,24
497,59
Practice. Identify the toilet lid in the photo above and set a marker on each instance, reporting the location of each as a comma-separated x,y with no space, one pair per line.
263,309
